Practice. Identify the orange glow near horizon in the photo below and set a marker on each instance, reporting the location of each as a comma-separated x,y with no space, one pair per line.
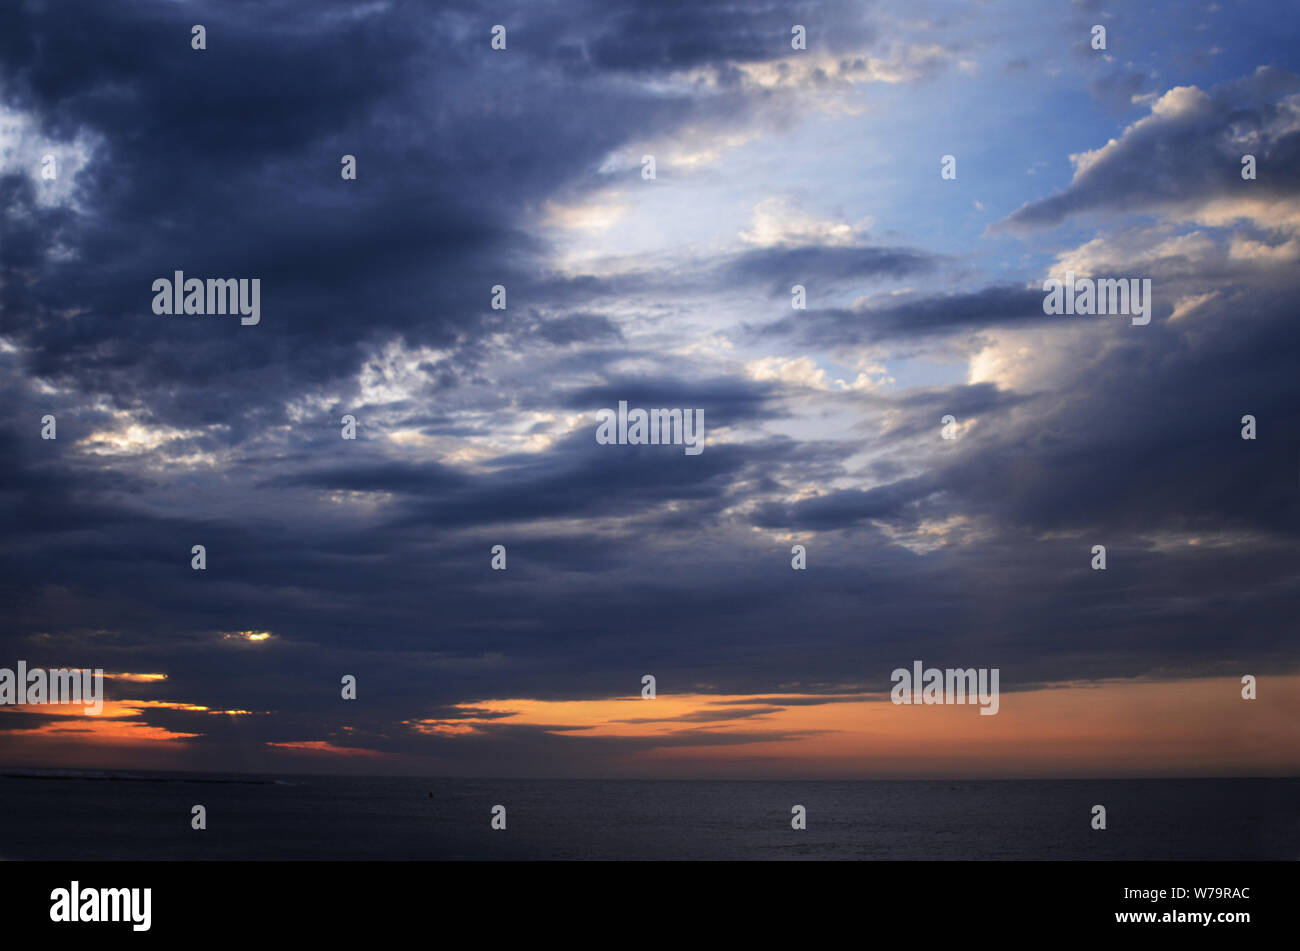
117,723
136,678
253,636
325,746
1113,728
1129,727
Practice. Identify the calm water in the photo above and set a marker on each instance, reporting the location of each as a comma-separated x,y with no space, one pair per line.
147,816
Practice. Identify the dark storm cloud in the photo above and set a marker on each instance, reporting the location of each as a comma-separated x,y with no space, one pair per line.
783,266
575,328
22,720
847,507
426,478
1109,448
920,317
667,35
225,162
583,479
578,477
726,401
1144,437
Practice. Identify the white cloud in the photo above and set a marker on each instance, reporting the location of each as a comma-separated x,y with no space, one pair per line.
23,150
778,221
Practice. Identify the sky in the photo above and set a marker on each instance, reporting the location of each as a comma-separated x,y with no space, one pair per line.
825,426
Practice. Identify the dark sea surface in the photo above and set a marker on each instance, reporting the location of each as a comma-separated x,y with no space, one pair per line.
69,815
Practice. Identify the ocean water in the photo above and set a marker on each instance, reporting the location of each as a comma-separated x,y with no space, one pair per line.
72,815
